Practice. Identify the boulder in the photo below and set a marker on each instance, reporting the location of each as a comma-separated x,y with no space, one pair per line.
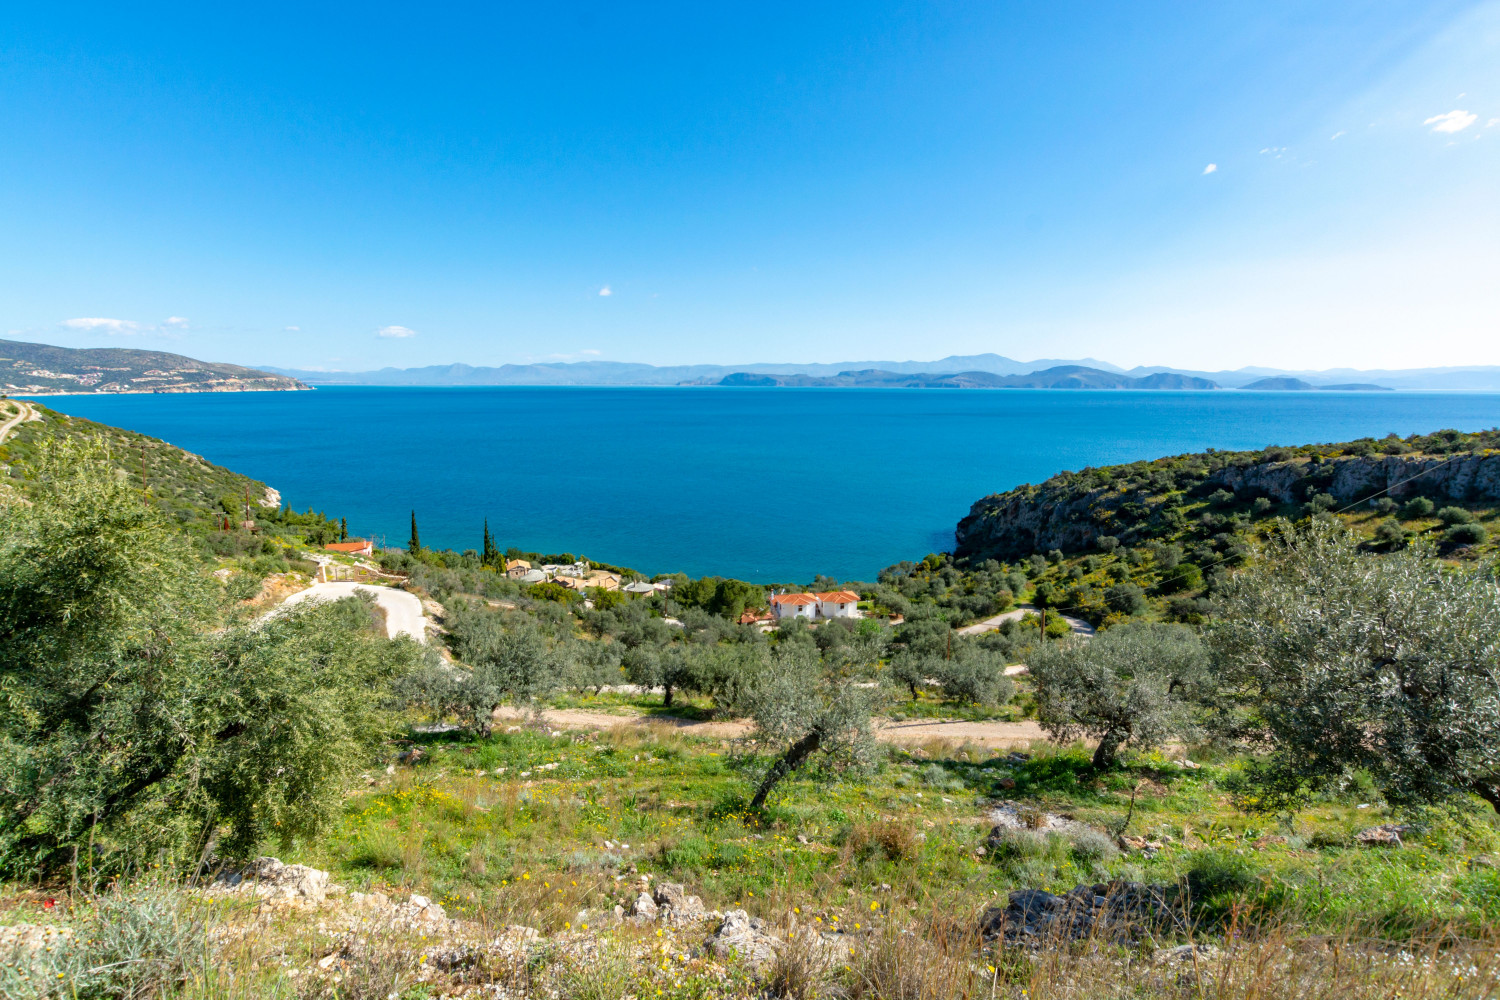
745,937
1388,835
671,896
644,906
1118,910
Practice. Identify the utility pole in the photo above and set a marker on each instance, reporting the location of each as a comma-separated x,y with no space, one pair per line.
1044,623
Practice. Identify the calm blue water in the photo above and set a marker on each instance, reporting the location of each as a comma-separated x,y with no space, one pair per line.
762,484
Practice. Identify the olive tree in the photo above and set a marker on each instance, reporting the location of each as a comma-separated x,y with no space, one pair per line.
140,712
795,705
1134,684
1335,660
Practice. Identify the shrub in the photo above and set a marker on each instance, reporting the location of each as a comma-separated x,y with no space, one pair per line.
1416,507
885,839
1126,598
1183,576
1390,535
1219,875
1090,846
1262,505
1385,505
1455,515
1466,534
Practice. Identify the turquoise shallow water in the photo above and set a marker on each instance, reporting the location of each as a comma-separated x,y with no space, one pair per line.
762,484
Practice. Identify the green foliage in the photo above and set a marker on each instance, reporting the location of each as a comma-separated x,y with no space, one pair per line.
1130,685
1338,661
1417,507
1455,515
1389,535
136,944
1466,534
137,714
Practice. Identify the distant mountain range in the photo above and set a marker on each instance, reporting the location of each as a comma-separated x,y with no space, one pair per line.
956,371
44,370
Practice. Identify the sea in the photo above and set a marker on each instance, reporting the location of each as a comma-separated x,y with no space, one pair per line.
771,485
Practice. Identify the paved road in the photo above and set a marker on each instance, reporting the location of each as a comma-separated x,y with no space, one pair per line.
1078,625
403,611
24,412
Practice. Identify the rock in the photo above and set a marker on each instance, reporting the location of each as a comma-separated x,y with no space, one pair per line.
270,878
1119,910
671,895
411,756
1388,835
802,838
1139,845
644,906
746,937
453,958
1185,953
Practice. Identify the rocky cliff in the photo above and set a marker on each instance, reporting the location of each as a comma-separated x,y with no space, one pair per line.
1206,492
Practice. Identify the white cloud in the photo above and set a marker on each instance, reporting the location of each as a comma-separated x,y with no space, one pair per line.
180,322
606,291
292,329
1337,134
1212,168
395,331
111,326
1492,123
1453,121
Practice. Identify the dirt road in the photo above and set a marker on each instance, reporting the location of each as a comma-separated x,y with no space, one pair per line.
1079,627
24,412
989,734
403,611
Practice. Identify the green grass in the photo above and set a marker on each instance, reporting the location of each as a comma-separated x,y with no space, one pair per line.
536,846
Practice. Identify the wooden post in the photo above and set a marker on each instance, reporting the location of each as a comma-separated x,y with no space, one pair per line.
1044,623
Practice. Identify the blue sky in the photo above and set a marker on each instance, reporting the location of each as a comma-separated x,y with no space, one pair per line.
1207,185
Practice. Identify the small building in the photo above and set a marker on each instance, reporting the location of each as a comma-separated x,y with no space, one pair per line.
828,604
517,568
838,604
754,616
353,547
794,606
640,588
529,576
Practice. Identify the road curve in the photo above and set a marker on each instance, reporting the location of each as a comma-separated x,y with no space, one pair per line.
1080,628
403,611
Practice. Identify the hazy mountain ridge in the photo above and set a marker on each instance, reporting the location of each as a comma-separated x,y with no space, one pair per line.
966,368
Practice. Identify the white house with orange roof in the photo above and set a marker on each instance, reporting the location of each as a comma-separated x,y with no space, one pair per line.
827,604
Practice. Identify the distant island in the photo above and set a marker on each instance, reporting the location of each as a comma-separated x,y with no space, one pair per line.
44,370
1287,384
1060,377
969,371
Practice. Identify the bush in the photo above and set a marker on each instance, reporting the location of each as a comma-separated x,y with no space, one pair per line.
1126,598
1090,846
885,839
1262,505
1385,505
1389,535
1218,877
1455,515
1183,576
1466,534
1416,507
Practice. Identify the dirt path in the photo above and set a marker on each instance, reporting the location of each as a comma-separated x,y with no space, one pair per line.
990,734
24,412
1078,625
403,611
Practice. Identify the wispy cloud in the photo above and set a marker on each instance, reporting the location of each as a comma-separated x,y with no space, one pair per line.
1492,123
606,291
110,326
292,329
177,322
1212,168
1452,121
395,332
1337,134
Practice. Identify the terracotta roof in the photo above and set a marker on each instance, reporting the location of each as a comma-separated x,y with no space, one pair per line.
838,597
751,617
356,546
794,599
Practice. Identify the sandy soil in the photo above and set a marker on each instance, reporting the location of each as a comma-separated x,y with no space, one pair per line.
990,734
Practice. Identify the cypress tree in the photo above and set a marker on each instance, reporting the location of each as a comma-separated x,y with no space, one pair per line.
490,554
343,529
415,545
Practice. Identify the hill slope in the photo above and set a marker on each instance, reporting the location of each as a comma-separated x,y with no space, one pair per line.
41,369
1060,377
1162,498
